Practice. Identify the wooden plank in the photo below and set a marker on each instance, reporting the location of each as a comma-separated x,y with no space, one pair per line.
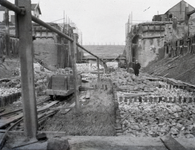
7,37
2,139
134,94
46,113
5,122
97,72
64,107
85,88
47,106
171,144
98,69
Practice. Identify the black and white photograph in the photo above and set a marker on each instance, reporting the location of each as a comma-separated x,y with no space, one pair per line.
97,75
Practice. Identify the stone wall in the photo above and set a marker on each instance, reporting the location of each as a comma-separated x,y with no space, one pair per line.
149,44
46,50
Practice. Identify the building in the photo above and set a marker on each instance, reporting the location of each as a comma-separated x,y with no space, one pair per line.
48,46
8,40
35,10
178,11
146,41
168,35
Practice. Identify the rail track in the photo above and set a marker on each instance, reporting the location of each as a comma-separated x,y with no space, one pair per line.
12,120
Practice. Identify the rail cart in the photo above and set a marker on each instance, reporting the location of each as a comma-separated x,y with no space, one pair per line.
61,84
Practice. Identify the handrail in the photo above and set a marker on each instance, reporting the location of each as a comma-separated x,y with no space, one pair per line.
13,7
21,11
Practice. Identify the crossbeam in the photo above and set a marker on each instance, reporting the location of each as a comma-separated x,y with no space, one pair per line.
16,9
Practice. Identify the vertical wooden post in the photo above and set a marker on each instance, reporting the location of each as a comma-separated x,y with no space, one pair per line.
73,53
27,70
98,67
7,45
59,60
69,54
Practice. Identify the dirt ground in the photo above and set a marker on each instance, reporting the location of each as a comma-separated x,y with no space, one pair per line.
95,118
180,68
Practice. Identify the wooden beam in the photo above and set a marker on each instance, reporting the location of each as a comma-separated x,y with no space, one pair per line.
27,70
171,144
73,54
98,67
10,6
7,38
4,122
152,37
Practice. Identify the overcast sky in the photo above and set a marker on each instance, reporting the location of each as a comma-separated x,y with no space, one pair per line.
103,21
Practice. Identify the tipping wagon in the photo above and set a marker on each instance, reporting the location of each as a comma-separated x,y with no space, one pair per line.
61,83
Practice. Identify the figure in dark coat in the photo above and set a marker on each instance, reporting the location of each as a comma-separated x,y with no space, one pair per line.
136,68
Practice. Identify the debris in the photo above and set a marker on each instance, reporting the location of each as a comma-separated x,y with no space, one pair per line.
41,137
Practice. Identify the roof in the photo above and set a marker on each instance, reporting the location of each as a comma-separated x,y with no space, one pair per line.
182,1
35,6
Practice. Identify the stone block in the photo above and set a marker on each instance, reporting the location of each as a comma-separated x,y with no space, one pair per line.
180,100
184,100
165,99
130,100
160,99
41,136
145,99
150,99
155,99
174,99
170,100
190,100
140,99
58,144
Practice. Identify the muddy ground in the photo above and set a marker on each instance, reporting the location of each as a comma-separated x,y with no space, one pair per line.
96,116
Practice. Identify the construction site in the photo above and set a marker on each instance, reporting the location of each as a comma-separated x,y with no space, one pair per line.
57,94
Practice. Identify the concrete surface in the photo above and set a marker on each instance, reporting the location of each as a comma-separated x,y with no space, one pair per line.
101,143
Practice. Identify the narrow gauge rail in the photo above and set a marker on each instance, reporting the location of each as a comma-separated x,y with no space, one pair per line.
46,108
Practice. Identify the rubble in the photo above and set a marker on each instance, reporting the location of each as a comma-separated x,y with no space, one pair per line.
141,112
8,91
144,119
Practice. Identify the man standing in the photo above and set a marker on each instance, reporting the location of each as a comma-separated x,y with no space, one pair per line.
136,68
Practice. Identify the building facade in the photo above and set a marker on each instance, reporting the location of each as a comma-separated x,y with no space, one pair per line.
168,35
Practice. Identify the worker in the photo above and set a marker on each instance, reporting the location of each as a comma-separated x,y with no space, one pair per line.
136,68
